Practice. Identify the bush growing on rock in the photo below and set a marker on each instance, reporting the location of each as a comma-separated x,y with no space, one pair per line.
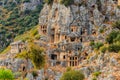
26,1
66,2
92,43
114,41
112,36
96,74
37,37
117,24
103,49
48,1
114,47
6,74
118,6
68,68
34,73
98,45
72,75
35,54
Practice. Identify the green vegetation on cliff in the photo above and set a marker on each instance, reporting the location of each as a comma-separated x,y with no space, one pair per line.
72,75
6,74
35,54
14,21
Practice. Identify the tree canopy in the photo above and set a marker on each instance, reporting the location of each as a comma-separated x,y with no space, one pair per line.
6,74
35,54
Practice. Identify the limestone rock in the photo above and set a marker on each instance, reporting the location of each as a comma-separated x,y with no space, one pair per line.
30,5
29,76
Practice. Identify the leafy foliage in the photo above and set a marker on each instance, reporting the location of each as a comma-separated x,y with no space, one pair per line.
68,69
96,74
66,2
114,41
14,22
72,75
117,24
35,54
48,1
25,1
34,73
115,47
92,43
6,74
112,36
96,45
37,37
103,49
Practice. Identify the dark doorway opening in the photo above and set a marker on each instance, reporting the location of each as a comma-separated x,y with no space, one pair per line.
53,57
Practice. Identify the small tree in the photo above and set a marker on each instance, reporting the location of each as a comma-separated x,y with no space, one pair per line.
117,24
35,54
72,75
6,74
110,38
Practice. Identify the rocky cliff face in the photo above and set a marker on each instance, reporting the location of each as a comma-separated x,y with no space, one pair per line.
93,16
89,17
82,13
30,5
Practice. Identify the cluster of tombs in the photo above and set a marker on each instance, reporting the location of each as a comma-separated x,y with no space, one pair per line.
17,47
63,46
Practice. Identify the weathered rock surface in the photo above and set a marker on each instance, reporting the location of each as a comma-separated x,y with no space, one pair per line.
92,15
30,5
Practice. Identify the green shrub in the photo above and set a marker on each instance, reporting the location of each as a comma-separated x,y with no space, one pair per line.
117,38
9,35
10,6
37,37
118,6
117,24
48,1
34,73
68,69
103,49
94,78
66,2
18,1
72,75
6,74
96,74
35,54
25,1
35,32
110,38
98,45
114,47
92,43
101,30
